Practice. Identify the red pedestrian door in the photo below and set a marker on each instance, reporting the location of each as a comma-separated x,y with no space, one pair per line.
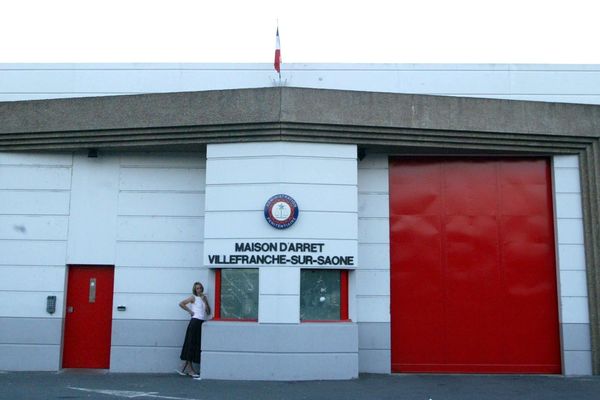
88,317
473,273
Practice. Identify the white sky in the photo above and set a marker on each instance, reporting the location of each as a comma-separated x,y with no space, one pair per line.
371,31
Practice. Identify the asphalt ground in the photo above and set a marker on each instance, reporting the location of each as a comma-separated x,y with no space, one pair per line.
94,385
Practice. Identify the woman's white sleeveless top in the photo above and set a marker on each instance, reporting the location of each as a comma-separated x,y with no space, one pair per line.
198,308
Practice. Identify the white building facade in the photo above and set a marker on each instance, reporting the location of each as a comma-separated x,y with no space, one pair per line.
163,190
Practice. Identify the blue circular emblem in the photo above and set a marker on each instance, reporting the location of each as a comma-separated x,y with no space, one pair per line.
281,211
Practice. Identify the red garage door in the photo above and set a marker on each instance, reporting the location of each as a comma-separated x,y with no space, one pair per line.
473,277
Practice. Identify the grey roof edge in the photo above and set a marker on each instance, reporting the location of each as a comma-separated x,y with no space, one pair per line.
233,109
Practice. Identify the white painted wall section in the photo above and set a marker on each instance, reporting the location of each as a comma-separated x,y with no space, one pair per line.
574,311
34,215
159,233
373,275
94,199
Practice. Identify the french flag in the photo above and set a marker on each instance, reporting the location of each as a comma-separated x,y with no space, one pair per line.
277,62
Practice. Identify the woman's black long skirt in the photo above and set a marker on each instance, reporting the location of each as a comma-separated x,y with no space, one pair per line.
193,341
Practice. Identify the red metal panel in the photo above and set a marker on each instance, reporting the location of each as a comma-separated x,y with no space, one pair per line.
416,225
89,318
217,310
473,276
344,295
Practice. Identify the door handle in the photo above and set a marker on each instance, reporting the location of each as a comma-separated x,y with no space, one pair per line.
92,292
70,309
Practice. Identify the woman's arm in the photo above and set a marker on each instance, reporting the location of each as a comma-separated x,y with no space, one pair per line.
183,304
206,306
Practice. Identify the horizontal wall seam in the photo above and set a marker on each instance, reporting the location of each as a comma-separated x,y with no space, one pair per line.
32,240
161,216
165,268
162,191
287,239
157,241
162,167
31,344
33,266
374,348
150,293
32,318
49,166
261,210
157,215
36,190
281,157
33,215
371,269
139,346
235,184
287,353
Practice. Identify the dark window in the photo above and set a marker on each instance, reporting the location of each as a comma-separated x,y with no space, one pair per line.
323,295
236,294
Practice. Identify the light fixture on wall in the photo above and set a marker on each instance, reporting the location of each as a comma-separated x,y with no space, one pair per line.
361,153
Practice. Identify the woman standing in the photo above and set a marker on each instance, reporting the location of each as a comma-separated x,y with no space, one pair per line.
197,306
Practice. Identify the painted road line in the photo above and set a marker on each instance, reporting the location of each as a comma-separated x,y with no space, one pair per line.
129,394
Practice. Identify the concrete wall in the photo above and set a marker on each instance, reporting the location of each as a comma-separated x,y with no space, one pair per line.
538,82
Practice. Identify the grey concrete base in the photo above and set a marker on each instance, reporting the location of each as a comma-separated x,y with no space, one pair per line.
156,333
577,363
144,359
252,351
577,349
576,337
375,361
29,357
374,348
30,330
146,345
280,366
30,344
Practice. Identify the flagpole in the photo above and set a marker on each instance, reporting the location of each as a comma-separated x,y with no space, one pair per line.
277,63
279,72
